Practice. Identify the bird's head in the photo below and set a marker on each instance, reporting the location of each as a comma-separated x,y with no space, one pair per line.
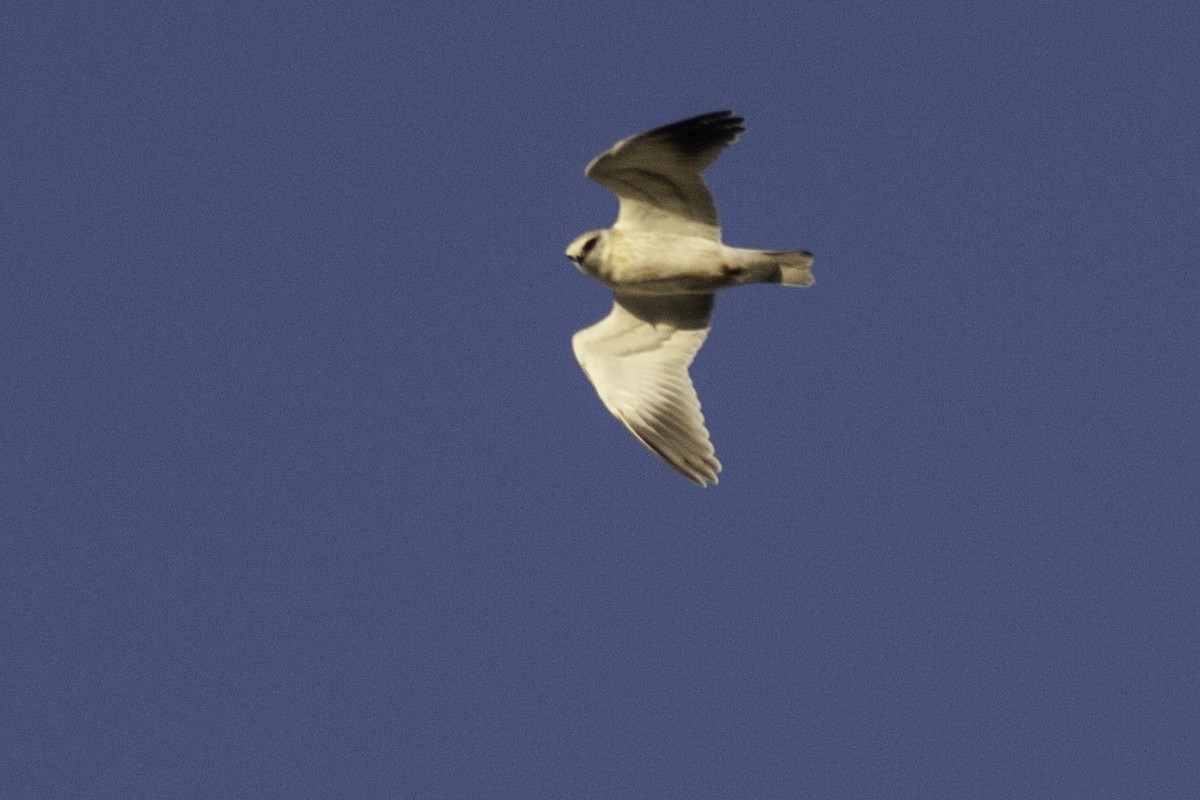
587,250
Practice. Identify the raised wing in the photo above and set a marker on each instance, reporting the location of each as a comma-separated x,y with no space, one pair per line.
637,358
656,174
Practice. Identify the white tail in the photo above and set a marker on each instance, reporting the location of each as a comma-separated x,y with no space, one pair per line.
795,267
788,267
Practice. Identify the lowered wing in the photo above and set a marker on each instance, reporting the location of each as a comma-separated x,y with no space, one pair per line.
637,358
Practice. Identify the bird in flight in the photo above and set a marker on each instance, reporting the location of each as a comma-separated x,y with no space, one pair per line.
664,261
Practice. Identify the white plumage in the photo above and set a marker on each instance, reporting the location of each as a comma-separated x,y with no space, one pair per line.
664,260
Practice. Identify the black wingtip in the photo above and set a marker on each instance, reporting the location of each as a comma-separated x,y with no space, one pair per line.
713,119
703,131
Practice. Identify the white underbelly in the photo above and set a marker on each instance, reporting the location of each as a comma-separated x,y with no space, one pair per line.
642,261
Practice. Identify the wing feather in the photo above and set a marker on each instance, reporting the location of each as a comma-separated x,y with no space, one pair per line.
656,174
637,358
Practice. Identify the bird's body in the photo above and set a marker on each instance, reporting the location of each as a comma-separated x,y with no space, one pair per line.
643,262
656,263
664,260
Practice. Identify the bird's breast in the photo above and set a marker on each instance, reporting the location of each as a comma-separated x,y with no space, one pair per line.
661,263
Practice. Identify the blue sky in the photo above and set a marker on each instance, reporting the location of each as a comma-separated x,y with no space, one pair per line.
306,496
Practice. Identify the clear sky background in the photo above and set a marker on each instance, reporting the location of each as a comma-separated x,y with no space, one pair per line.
304,495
